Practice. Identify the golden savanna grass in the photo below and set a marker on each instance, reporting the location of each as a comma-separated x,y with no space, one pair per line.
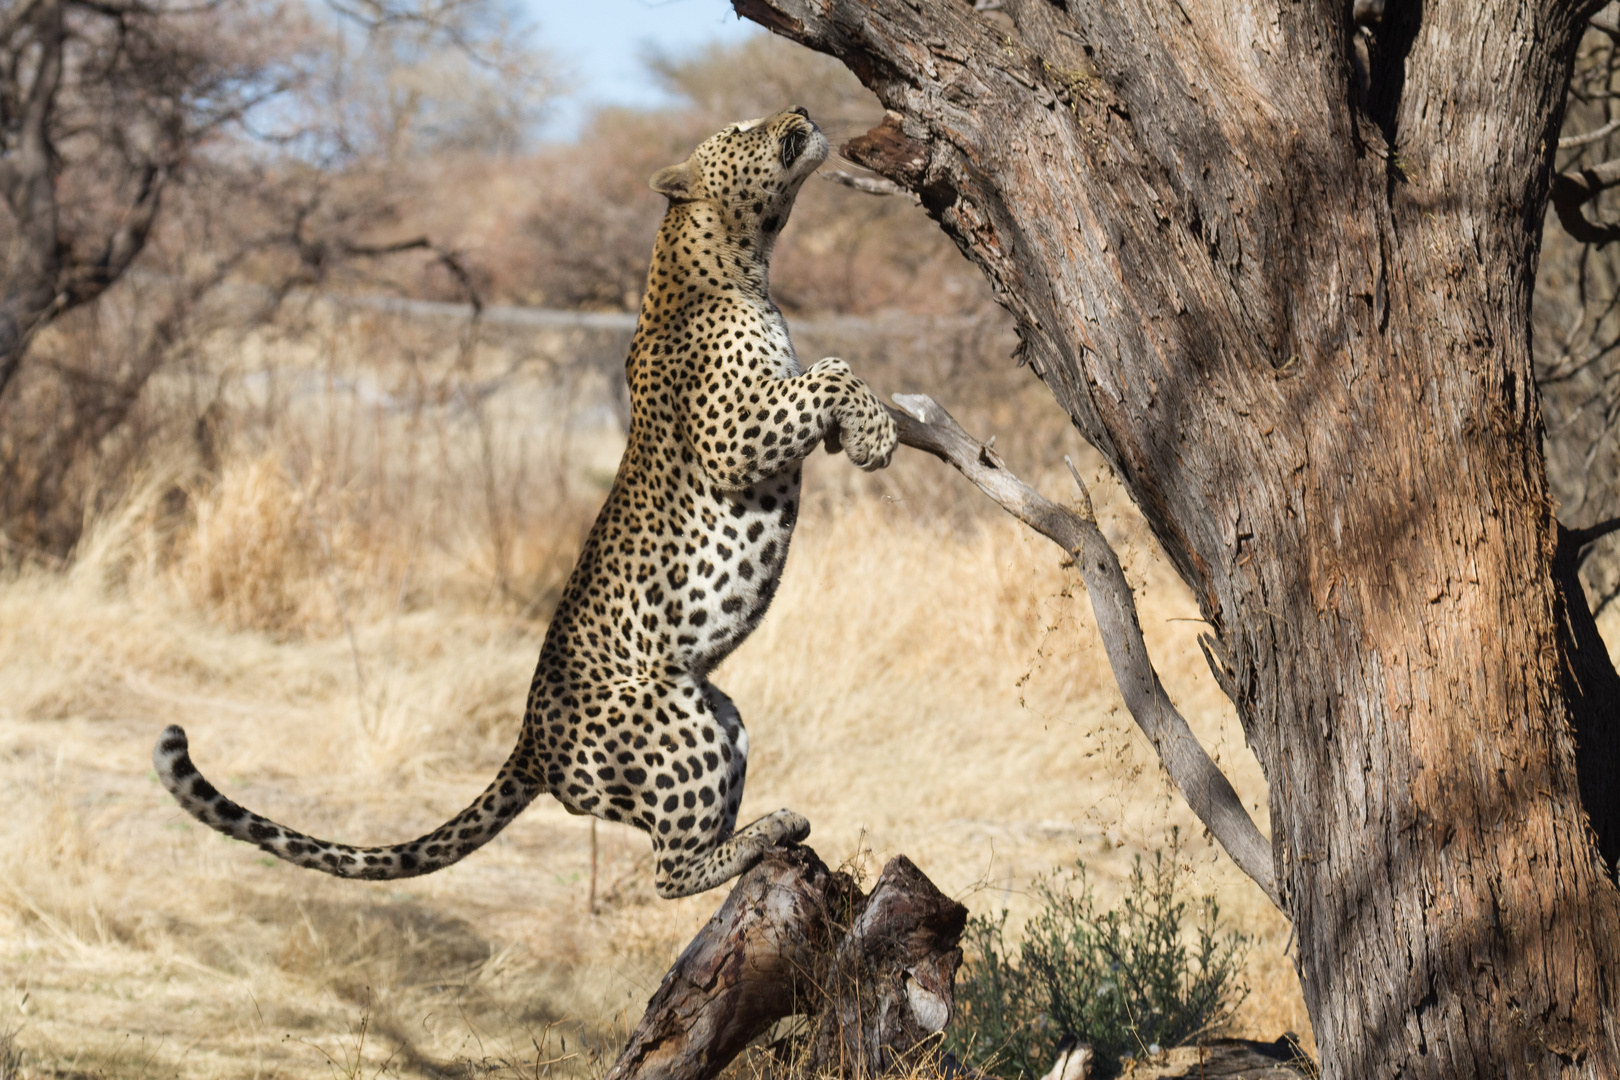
344,614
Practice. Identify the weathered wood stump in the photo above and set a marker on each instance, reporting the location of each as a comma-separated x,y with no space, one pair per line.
873,974
1227,1059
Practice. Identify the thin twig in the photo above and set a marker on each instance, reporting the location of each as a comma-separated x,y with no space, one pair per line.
590,902
872,185
1569,142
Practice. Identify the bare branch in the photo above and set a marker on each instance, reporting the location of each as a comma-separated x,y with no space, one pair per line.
1580,538
81,281
11,20
926,426
872,185
1608,21
1573,190
1569,142
28,184
445,258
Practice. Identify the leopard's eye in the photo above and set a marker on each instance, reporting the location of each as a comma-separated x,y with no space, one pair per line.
793,144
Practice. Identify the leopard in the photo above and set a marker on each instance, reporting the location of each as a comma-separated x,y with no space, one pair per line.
622,720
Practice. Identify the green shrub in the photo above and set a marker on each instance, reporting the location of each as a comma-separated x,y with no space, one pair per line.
1126,980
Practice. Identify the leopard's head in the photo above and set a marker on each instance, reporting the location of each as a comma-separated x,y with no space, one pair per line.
749,174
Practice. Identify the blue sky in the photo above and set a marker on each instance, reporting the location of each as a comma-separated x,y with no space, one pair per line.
599,43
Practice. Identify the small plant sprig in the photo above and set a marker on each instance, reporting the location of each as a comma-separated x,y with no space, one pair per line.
1128,980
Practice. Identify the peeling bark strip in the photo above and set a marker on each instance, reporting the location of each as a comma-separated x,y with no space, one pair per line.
891,987
1289,302
875,973
885,149
926,426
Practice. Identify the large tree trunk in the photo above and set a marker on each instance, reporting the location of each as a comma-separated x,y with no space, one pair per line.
1290,303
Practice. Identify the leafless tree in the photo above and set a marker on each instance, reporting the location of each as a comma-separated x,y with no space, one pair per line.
230,142
101,105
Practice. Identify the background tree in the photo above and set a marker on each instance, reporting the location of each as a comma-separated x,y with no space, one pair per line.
236,150
1279,271
1577,320
100,106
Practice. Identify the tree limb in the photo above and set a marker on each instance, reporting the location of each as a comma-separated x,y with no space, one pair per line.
14,18
1579,538
926,426
872,185
443,256
318,254
28,184
1608,21
1569,142
1573,190
82,280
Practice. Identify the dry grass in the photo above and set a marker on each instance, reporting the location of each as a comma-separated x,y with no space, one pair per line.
929,682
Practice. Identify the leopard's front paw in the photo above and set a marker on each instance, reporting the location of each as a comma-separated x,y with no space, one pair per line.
860,425
869,434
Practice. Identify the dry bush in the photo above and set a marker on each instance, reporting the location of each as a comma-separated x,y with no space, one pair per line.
368,490
84,416
254,556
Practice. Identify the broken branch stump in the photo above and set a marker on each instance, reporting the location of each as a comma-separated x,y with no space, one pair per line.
873,974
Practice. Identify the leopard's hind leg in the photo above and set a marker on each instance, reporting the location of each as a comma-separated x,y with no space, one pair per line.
673,762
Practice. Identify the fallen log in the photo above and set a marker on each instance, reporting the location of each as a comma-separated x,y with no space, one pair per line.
872,974
1227,1059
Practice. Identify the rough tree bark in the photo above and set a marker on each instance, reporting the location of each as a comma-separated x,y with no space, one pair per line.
1288,296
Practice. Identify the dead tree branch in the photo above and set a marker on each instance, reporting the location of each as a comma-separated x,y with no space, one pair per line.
1580,538
874,973
872,185
1570,142
1571,191
926,426
1607,21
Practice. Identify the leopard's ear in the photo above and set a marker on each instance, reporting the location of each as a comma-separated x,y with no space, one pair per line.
677,182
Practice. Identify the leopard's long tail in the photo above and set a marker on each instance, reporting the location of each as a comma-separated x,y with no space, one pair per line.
451,842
